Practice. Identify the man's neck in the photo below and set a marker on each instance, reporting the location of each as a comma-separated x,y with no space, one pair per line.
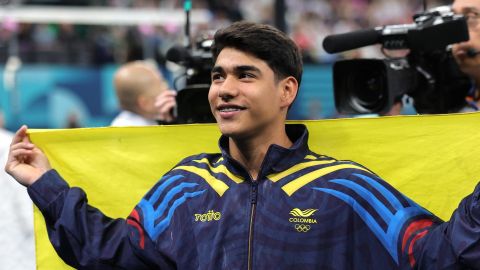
251,152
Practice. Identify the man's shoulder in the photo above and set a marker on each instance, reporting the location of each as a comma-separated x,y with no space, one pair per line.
327,173
202,157
314,170
319,161
329,168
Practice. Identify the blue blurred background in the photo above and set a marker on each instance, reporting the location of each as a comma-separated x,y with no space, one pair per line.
55,96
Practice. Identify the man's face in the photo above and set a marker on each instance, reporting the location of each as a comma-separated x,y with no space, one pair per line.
245,97
471,9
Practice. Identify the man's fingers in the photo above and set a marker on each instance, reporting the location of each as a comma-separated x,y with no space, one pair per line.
19,135
166,95
21,153
168,118
26,145
18,156
164,103
21,145
167,107
159,103
165,112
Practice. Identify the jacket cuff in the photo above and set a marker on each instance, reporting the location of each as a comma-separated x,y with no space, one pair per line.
47,188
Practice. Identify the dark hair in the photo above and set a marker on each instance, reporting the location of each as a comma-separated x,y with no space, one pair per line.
264,42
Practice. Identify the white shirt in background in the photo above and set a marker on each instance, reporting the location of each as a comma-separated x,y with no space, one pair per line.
127,118
17,245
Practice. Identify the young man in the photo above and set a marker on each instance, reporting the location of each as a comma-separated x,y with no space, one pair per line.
265,202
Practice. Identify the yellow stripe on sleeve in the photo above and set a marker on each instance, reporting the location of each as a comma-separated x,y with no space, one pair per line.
222,169
298,167
298,183
219,186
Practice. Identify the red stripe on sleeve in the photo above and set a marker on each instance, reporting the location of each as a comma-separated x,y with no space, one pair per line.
134,220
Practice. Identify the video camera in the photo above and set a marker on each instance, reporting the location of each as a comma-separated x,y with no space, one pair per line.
192,100
428,73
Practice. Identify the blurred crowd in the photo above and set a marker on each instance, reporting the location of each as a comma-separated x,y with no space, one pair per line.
307,21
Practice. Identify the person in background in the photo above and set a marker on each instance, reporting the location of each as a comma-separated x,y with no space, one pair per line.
467,54
17,246
143,96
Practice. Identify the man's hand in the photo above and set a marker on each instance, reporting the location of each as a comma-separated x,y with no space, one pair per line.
26,162
164,103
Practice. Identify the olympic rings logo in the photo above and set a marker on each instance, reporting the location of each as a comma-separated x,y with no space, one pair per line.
302,228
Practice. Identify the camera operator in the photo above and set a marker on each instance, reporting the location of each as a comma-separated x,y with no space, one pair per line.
428,74
143,96
467,53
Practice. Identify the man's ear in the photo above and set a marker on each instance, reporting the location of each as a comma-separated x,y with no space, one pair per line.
289,88
143,102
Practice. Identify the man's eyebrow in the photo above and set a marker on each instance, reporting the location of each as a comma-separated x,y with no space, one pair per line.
239,69
217,69
469,9
236,69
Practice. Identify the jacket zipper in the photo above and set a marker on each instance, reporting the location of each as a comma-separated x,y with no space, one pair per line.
253,201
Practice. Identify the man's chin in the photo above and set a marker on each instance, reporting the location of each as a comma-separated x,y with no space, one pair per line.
228,133
231,132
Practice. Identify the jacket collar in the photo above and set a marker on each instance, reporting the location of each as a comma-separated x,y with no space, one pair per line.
277,158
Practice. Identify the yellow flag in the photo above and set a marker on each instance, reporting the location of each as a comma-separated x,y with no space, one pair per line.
432,159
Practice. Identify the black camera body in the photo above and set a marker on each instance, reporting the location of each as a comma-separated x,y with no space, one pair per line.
192,99
428,74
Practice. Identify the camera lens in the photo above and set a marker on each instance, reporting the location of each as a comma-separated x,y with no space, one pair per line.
364,85
367,90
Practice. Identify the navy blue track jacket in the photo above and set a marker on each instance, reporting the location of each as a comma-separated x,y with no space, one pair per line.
304,211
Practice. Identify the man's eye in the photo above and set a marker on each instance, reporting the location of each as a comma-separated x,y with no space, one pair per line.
473,13
216,76
246,75
472,18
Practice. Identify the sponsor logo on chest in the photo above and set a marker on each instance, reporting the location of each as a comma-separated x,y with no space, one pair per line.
211,215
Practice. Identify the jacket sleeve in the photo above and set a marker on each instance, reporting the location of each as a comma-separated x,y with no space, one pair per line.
83,236
454,244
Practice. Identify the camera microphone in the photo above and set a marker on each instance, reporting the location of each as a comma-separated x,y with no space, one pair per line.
417,36
352,40
471,53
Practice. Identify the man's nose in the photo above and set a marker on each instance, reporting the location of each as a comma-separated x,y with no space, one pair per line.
228,89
